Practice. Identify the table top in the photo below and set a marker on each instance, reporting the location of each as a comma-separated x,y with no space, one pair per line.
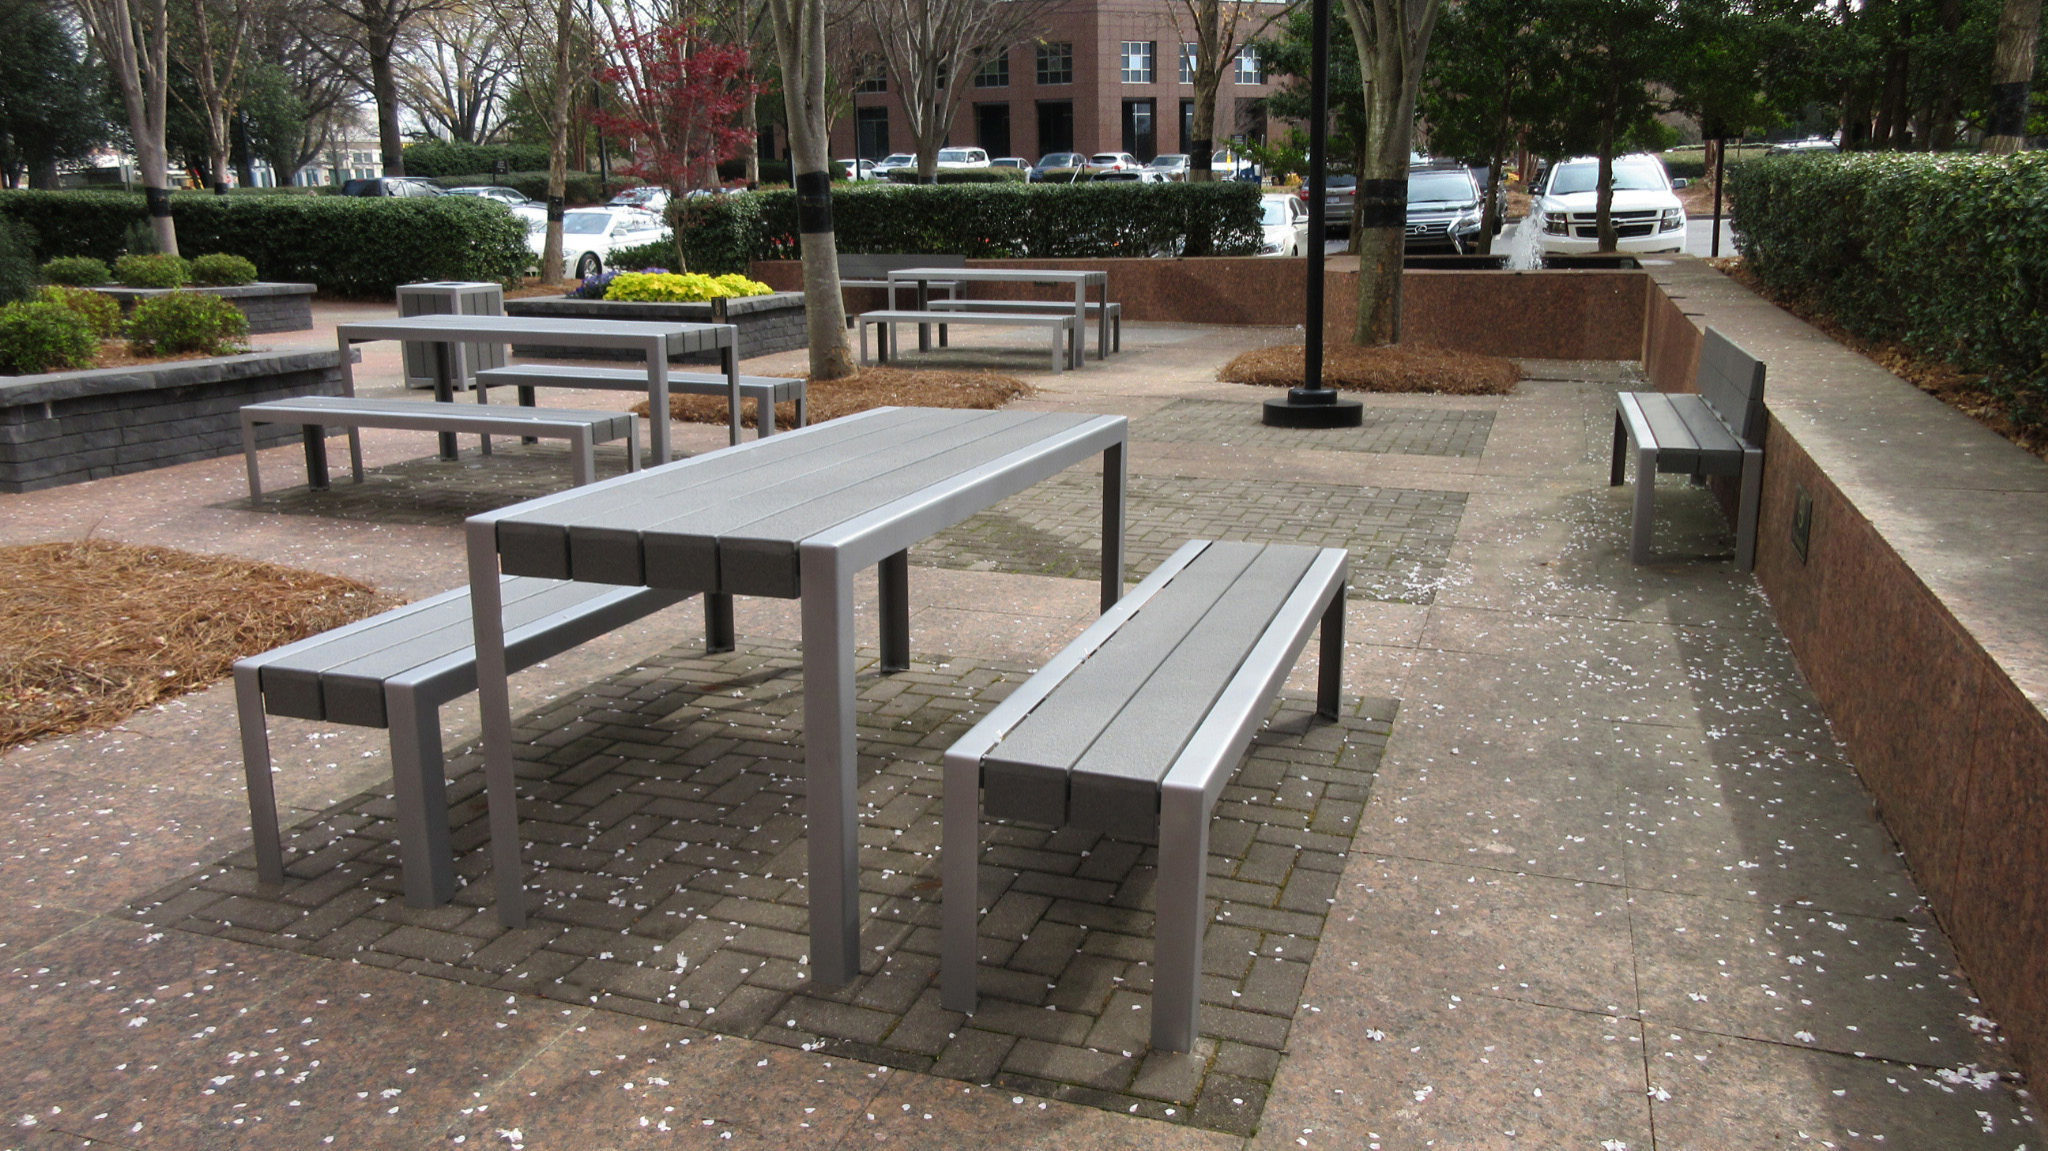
1090,276
735,520
558,331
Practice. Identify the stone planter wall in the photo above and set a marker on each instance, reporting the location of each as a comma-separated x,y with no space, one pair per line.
767,324
270,307
64,427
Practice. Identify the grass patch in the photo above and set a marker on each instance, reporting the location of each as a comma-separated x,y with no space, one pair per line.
873,387
1395,368
93,631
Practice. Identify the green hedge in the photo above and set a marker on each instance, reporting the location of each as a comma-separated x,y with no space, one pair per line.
347,245
1691,163
444,158
1946,253
980,221
960,176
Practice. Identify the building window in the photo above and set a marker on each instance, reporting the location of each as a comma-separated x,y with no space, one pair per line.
1055,63
875,80
995,73
1137,61
1188,53
1249,69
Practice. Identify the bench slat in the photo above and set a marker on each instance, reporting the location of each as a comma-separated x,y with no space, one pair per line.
1011,319
429,414
1719,451
1669,433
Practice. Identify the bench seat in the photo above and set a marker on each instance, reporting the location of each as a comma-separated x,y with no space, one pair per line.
1717,431
1134,729
1061,328
1043,308
583,429
394,671
765,391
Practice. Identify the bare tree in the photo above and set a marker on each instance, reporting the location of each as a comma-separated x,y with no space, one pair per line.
1221,30
455,71
1393,41
800,45
212,37
2012,80
303,93
549,30
932,48
376,29
134,39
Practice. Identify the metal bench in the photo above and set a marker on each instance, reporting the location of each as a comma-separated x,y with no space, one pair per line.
1134,729
1061,328
765,391
583,429
1718,432
1040,308
871,270
394,671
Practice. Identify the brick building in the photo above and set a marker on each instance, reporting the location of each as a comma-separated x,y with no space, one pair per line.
1103,76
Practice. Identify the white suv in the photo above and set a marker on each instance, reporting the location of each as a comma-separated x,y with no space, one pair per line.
1647,216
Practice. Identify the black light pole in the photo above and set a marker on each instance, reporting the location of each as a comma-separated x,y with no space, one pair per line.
1312,405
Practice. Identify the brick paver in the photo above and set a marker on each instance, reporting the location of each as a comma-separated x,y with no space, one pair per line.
1387,430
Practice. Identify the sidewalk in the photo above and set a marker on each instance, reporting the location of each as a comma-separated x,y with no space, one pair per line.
1580,867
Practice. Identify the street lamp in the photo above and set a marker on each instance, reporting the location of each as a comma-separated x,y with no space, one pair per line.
1312,405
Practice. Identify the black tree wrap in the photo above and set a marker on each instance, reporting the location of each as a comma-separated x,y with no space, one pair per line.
159,202
1382,203
813,202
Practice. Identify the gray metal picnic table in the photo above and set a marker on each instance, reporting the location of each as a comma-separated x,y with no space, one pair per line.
797,515
656,340
1082,280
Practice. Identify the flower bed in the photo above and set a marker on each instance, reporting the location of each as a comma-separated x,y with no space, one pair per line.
770,323
64,427
270,307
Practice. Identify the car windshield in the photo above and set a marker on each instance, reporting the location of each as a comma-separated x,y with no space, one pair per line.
1628,177
1058,160
898,158
1273,213
1174,161
585,223
1106,157
956,154
1433,187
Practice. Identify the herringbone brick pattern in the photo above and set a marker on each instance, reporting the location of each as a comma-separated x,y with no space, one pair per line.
663,814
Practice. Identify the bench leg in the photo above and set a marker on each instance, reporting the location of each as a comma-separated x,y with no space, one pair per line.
764,415
1746,508
632,442
960,870
718,625
525,401
1182,915
1645,513
893,573
256,770
1330,657
1063,349
316,458
583,457
249,458
420,782
863,326
803,407
1620,463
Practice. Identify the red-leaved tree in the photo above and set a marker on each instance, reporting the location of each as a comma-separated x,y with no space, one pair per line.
681,95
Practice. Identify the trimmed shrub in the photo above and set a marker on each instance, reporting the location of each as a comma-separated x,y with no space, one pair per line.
1947,254
222,270
17,260
36,336
100,310
362,246
681,288
984,221
448,158
77,271
155,270
961,176
654,257
186,322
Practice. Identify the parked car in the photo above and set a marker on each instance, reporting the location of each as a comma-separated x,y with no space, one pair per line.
1340,197
1229,165
893,161
499,193
590,235
1112,162
1647,214
1139,175
1017,162
857,169
647,197
962,158
1057,166
391,186
1283,226
1446,210
1170,165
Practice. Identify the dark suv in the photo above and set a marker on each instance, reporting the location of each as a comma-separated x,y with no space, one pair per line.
1444,208
390,186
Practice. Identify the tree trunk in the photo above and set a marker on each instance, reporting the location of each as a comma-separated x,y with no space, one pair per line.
1208,79
137,45
2012,75
1392,37
559,111
384,91
1603,196
800,44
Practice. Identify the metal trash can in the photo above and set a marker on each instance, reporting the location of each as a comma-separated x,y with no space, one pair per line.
446,298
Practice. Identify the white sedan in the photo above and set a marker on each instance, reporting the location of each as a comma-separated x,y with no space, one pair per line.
1283,226
590,235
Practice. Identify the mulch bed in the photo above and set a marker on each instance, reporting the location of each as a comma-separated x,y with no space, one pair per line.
1964,391
93,631
1394,368
873,387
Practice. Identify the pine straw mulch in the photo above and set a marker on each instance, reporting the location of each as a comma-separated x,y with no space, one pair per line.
93,631
1964,391
872,387
1395,368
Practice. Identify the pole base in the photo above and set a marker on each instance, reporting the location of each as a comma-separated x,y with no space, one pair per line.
1340,413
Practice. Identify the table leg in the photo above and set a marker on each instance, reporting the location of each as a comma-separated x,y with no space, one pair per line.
1102,325
348,388
729,356
894,575
316,457
830,766
1080,343
924,304
1115,468
494,709
718,623
444,391
657,401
